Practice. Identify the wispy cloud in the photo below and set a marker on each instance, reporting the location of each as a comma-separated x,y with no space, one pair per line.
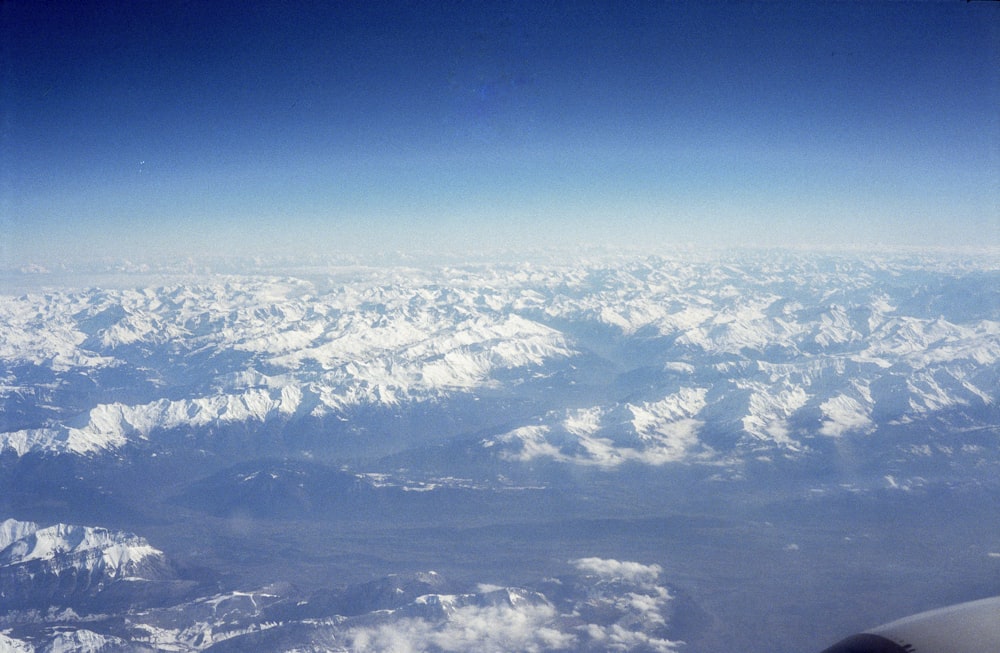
608,605
496,628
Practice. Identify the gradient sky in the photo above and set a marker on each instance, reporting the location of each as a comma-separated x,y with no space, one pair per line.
147,129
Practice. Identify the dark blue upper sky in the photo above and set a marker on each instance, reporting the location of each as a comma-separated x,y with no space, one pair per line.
199,126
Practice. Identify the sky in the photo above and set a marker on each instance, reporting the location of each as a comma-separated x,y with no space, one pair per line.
210,127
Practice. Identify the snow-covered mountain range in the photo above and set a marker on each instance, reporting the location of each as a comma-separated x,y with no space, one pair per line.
624,453
597,605
646,360
77,565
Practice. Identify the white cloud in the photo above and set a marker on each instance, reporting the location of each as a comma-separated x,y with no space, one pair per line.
609,569
618,638
627,606
489,629
614,606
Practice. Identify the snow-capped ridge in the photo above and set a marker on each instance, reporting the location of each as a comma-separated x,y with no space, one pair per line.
748,353
116,554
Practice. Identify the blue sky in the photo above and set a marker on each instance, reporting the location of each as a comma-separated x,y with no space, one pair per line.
135,130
